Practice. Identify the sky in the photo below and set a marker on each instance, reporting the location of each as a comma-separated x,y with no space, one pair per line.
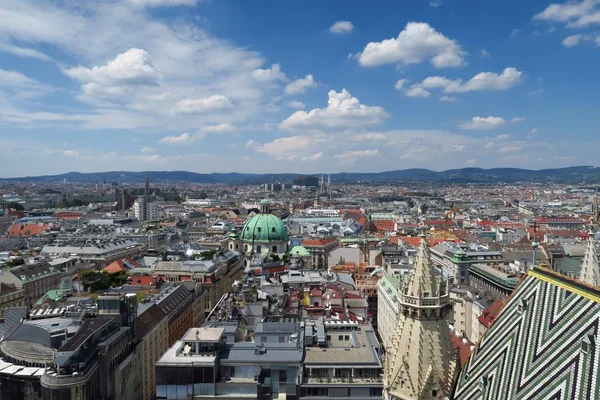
305,86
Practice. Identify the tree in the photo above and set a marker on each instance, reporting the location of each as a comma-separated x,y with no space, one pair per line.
15,206
208,255
15,262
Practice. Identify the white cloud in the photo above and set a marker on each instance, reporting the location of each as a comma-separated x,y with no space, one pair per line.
270,74
417,92
435,3
573,14
482,81
132,67
515,32
181,139
480,123
300,85
418,42
400,84
517,119
13,79
211,103
71,153
367,137
163,3
341,27
484,53
355,155
285,147
250,144
342,112
535,92
532,132
572,40
23,52
220,128
147,150
449,99
298,105
471,161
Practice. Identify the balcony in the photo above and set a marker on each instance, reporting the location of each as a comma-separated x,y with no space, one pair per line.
52,380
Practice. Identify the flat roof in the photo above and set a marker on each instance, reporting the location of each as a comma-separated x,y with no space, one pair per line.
203,334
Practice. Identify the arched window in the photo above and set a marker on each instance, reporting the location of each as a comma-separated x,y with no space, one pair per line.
274,249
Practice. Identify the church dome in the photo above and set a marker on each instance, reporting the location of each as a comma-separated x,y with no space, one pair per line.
264,228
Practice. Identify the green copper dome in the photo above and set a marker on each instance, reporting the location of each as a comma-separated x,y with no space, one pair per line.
264,228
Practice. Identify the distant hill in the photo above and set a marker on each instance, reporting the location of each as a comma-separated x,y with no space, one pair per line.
588,174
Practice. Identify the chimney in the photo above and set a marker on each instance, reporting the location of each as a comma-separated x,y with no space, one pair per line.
197,343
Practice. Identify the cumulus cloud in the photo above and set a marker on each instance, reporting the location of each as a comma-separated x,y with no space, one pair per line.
435,3
574,14
400,84
342,111
515,32
300,85
355,155
517,119
269,74
574,40
298,105
480,123
220,128
417,92
417,43
147,150
181,139
341,27
484,53
132,67
482,81
211,103
285,147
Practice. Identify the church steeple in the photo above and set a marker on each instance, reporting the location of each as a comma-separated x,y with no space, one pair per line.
590,271
422,360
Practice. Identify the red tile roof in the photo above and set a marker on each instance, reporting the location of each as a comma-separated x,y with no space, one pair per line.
142,280
489,314
463,349
385,225
28,230
318,242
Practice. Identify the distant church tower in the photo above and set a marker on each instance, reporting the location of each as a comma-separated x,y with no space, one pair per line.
422,362
595,218
590,271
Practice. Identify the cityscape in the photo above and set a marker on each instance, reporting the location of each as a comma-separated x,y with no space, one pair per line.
279,200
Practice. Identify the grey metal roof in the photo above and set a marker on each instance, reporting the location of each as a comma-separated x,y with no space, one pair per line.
281,353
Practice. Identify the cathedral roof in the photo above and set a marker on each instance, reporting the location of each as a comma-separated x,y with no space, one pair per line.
542,345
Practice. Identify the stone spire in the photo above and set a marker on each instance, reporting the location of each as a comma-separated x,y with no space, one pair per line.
590,271
422,362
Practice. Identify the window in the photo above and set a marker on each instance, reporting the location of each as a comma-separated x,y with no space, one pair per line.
258,249
341,337
274,249
434,393
347,337
263,339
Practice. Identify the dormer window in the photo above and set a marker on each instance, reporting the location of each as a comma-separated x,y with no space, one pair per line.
587,344
522,306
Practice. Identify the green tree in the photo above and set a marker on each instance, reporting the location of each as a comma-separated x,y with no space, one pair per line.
15,262
208,255
15,206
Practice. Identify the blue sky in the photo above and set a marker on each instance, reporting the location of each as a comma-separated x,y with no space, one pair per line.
284,86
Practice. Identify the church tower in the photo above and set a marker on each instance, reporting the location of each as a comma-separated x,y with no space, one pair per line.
590,271
422,361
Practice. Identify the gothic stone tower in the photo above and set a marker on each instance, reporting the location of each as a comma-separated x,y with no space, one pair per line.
422,362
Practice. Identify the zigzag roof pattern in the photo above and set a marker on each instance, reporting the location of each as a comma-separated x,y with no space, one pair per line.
542,345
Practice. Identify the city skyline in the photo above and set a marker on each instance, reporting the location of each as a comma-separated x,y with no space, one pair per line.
221,86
